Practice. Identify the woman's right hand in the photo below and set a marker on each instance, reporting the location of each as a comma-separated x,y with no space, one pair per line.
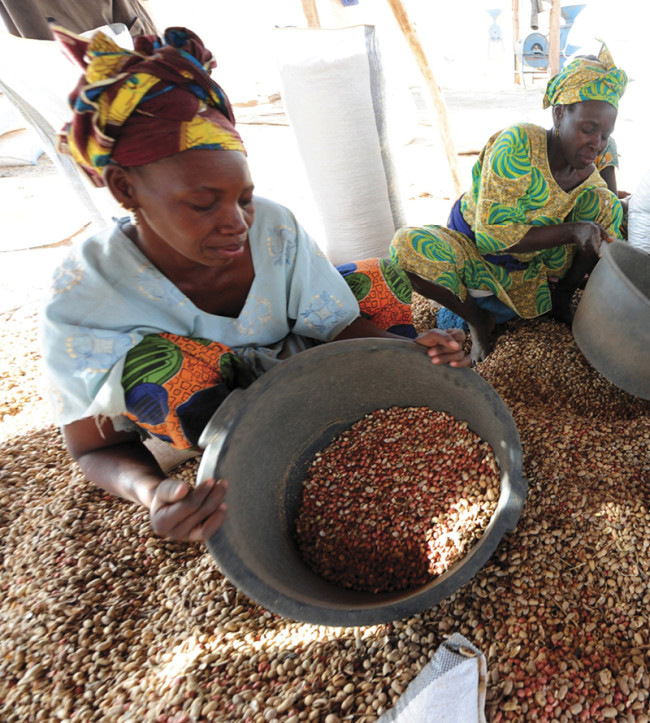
589,235
182,512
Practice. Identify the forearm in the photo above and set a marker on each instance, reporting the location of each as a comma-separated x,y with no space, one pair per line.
120,464
127,470
364,328
545,237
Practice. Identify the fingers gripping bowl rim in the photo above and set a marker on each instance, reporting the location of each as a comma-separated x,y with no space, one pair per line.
262,438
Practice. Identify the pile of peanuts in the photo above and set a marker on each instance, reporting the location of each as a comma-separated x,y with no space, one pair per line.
396,499
100,620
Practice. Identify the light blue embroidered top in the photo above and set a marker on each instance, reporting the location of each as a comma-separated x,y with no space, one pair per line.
107,296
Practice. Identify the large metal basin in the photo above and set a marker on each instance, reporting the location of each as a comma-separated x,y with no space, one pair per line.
262,438
612,321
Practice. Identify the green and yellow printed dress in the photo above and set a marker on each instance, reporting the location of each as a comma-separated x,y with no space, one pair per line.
512,191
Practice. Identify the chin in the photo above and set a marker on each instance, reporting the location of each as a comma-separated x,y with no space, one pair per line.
581,165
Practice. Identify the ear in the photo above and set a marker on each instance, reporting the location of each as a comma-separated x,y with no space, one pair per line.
120,183
558,114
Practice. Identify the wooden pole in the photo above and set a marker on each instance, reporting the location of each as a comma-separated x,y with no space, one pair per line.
311,13
515,38
438,101
554,39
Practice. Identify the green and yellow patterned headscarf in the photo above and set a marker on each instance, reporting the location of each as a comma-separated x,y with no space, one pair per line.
584,79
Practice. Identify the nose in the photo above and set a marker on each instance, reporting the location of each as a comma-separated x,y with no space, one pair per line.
231,220
599,143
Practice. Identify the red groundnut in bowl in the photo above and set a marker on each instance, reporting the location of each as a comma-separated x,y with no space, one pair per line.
396,500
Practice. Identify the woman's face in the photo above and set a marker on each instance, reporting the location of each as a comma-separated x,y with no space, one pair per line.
584,130
195,206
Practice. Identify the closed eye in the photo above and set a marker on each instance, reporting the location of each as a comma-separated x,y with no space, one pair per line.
200,209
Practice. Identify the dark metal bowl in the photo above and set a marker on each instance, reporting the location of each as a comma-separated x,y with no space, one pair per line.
612,321
261,439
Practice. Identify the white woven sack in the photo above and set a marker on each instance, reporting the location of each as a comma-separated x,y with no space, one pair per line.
638,221
333,95
449,689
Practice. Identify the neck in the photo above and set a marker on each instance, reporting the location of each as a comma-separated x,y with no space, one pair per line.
176,267
556,160
565,175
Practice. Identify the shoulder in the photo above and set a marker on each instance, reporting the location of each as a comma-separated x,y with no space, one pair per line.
269,211
87,253
511,152
97,264
110,235
106,242
273,221
276,226
517,136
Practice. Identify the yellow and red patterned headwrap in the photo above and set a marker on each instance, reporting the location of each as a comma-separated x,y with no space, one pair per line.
584,79
136,107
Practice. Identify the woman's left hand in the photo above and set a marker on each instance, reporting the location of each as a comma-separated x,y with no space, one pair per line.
181,512
445,346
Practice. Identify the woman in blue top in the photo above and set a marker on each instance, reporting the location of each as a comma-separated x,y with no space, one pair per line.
152,323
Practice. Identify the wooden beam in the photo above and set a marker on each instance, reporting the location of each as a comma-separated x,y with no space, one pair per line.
438,101
311,13
515,38
554,39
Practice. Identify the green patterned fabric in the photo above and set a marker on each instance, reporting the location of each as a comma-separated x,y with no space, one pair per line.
512,191
584,79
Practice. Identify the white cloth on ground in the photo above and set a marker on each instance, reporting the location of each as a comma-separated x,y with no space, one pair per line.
449,689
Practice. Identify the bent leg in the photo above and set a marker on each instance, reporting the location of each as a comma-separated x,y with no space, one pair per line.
173,385
480,321
437,261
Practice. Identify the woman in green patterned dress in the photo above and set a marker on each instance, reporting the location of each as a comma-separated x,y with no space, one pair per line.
530,227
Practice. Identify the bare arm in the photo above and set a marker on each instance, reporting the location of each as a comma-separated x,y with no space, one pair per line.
119,463
364,328
585,234
608,174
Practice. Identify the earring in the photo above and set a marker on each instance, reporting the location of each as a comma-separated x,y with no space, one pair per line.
132,212
556,132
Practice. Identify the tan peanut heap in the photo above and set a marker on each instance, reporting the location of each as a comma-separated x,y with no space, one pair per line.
100,620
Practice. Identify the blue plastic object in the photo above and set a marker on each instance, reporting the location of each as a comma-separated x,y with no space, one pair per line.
535,50
502,313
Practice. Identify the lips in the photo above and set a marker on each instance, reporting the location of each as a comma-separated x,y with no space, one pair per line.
229,251
229,245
